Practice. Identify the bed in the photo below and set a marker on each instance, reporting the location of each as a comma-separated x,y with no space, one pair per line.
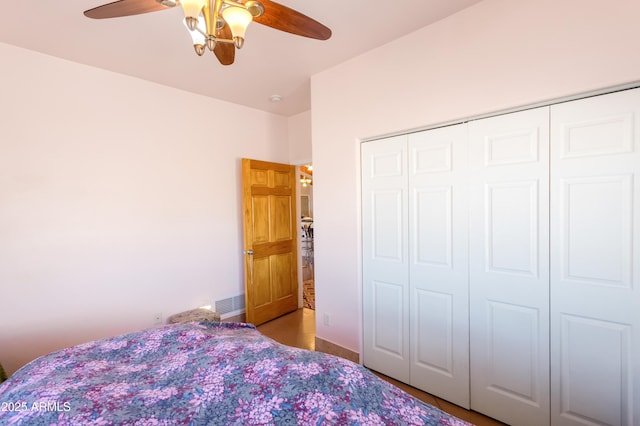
204,374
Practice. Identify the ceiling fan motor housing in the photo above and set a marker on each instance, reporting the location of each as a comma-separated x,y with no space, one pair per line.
168,3
255,8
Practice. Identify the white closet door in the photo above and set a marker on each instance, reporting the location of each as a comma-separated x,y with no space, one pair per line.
595,223
509,266
439,287
385,257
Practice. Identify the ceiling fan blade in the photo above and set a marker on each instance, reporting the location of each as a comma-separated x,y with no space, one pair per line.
286,19
122,8
225,52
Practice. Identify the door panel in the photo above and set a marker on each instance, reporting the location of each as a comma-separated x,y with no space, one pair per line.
433,234
385,252
281,218
281,279
509,275
438,263
435,319
517,328
511,228
270,240
596,225
595,339
387,224
260,211
261,271
388,302
581,402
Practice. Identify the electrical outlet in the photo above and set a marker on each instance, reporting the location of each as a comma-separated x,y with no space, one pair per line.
326,319
157,318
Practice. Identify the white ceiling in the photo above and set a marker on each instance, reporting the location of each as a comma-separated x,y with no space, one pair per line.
157,47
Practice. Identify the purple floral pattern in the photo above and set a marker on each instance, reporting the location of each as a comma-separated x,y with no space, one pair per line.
202,374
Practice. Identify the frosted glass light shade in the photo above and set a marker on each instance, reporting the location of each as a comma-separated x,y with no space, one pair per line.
238,19
197,36
192,8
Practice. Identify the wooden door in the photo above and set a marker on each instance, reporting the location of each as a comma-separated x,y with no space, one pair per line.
509,266
595,252
438,262
270,239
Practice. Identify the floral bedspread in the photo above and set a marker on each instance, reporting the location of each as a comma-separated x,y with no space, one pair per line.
204,374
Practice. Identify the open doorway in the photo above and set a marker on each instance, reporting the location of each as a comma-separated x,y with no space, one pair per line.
305,173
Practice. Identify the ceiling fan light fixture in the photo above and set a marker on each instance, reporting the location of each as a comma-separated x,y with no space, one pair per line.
255,8
191,23
238,42
238,18
199,48
197,37
192,9
211,43
168,3
220,25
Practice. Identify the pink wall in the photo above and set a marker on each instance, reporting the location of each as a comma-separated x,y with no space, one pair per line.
496,55
119,198
300,138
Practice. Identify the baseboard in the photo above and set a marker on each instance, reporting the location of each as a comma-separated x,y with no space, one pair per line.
337,350
236,318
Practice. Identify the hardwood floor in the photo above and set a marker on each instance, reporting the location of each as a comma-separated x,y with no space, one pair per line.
298,329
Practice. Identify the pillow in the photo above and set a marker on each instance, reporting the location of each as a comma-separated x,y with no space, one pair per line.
197,315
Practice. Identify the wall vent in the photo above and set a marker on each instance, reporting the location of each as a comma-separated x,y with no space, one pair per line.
231,306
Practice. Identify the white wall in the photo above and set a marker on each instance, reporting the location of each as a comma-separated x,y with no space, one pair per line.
299,127
496,55
119,198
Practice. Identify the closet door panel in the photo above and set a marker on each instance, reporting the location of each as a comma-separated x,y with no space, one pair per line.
385,257
511,229
595,219
438,264
508,264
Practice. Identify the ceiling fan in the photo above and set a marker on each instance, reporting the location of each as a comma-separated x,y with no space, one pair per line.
220,25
